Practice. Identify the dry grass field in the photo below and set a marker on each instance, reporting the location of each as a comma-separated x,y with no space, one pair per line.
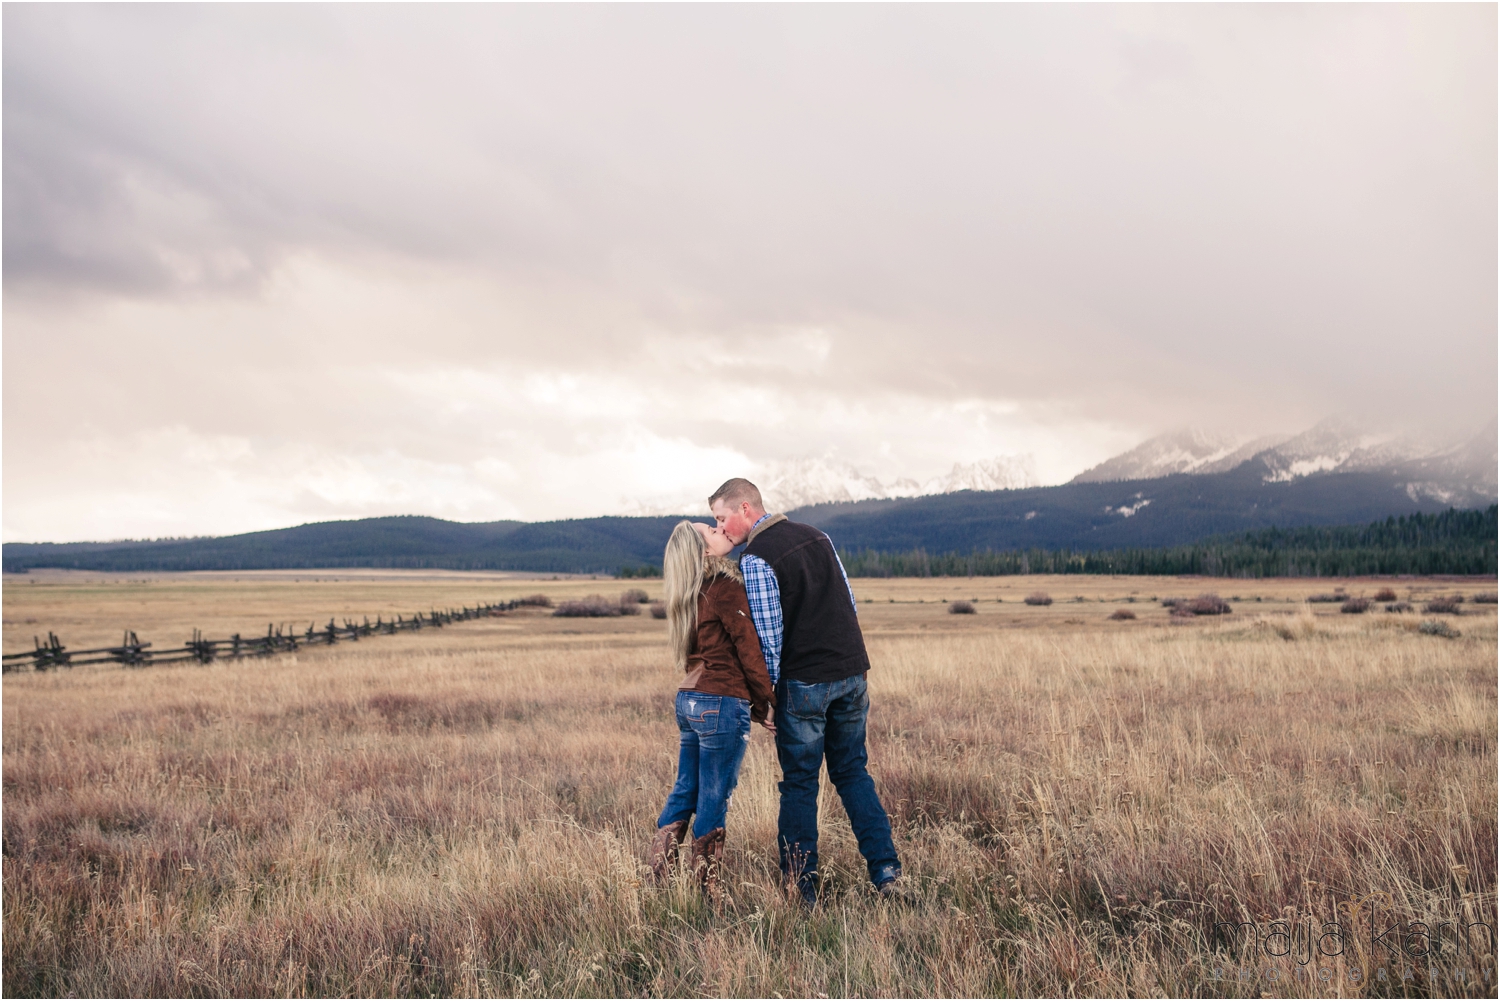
1084,806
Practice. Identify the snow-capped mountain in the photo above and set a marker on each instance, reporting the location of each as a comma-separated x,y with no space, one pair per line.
1461,473
800,482
1190,450
786,486
1338,444
795,483
1003,472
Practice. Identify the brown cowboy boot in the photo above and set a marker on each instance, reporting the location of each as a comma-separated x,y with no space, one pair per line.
708,862
664,849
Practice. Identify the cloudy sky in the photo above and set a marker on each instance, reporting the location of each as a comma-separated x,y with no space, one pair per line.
271,264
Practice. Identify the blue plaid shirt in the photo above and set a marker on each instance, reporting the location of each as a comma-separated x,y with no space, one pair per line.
765,604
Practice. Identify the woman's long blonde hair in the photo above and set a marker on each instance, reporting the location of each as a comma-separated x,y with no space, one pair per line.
682,575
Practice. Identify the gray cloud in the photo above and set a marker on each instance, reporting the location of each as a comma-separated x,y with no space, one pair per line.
1098,221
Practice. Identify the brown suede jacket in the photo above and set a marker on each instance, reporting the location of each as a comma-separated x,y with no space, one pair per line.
725,658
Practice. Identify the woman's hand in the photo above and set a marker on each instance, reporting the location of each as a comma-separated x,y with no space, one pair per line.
769,723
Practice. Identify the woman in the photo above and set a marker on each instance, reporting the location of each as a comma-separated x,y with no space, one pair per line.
724,687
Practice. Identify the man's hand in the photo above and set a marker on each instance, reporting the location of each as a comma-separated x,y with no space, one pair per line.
770,722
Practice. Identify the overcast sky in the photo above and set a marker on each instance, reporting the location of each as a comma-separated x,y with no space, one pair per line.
269,264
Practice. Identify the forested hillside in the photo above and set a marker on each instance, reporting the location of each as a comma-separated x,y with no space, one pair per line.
1453,542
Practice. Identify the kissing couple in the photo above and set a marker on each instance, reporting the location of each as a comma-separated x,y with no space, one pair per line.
774,640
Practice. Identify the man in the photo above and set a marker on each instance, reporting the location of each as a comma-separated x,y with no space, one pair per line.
805,613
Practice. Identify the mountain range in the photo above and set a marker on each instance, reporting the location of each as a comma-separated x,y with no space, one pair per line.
1172,490
790,485
1460,473
795,483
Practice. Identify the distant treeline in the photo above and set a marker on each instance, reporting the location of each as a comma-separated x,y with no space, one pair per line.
1453,542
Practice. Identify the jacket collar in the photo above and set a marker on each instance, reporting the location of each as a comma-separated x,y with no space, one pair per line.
764,523
721,565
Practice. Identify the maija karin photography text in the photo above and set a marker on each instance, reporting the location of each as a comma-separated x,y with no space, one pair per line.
1382,951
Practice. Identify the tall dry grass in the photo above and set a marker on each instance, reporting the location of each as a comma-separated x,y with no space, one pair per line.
1078,809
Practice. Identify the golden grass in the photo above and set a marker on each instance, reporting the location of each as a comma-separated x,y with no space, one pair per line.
1079,803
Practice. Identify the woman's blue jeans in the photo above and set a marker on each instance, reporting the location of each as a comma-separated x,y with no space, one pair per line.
715,730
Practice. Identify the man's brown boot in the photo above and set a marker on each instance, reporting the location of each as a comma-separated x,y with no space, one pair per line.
708,862
664,849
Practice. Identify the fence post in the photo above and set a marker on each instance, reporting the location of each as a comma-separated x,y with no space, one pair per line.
133,653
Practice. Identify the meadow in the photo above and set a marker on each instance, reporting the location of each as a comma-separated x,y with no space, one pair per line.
1237,805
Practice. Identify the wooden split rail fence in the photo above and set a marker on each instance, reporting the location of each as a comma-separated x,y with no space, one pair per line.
133,653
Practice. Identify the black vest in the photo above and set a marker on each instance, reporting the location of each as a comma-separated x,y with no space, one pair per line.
822,641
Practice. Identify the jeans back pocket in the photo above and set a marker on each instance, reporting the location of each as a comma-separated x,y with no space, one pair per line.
806,701
702,712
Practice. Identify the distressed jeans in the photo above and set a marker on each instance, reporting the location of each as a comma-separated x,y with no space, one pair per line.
714,730
814,721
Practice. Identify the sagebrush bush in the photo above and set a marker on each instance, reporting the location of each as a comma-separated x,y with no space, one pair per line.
961,608
1484,598
658,610
1122,614
1433,627
595,606
1326,599
1207,604
1355,606
1385,594
634,595
1442,606
1038,598
535,601
1398,606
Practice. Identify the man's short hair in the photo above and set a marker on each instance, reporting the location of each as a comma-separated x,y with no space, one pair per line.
735,492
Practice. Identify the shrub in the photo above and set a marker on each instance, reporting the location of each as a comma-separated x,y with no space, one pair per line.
1355,606
1442,606
1432,627
1121,614
1171,602
630,608
961,608
636,595
1385,594
1038,598
1326,599
595,606
535,601
1484,598
658,610
1398,606
1207,604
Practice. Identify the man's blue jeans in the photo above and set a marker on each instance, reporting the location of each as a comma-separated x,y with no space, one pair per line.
813,721
715,730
